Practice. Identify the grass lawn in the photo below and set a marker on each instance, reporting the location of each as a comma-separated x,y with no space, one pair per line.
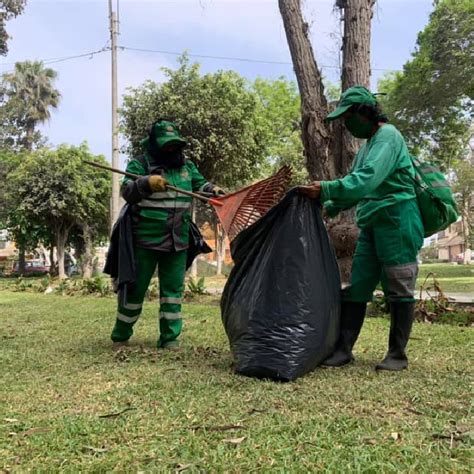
453,278
69,403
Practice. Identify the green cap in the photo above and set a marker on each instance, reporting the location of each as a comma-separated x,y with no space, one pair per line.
353,95
165,133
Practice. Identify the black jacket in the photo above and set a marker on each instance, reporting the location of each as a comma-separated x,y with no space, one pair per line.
120,262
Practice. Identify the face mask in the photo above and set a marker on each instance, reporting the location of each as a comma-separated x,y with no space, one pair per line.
357,127
171,159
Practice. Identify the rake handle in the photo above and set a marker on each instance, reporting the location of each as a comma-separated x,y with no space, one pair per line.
207,200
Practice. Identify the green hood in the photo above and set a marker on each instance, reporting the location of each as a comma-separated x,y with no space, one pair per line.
165,133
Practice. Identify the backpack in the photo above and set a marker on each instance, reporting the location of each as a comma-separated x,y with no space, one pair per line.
435,198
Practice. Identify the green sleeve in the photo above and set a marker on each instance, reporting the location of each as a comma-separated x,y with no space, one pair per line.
377,165
198,180
135,167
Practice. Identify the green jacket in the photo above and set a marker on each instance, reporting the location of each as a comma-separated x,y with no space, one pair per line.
161,220
382,175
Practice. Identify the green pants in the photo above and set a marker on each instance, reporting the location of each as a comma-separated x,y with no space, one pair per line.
171,273
387,252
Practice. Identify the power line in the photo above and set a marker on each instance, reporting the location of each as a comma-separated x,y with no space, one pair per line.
90,54
230,58
206,56
67,58
106,48
64,58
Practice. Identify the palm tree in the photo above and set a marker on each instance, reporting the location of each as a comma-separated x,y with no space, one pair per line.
31,95
31,85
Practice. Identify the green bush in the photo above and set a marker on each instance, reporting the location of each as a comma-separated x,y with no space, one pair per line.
458,317
21,284
196,288
206,269
97,285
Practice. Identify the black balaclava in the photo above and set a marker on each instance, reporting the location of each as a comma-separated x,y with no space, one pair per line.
169,160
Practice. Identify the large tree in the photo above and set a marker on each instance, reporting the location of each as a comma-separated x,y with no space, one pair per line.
464,189
56,192
432,100
8,9
329,148
23,232
281,114
27,96
216,113
280,110
13,121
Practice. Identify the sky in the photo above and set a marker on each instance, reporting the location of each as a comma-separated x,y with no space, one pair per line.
246,29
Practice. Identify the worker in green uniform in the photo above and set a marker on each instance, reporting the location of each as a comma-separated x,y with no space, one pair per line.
161,220
380,184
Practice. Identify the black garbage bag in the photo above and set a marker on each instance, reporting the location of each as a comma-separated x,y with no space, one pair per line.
197,244
281,304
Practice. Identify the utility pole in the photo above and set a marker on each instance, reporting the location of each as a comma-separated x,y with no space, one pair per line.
115,202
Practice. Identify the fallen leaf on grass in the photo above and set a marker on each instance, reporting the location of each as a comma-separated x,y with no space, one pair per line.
452,436
122,355
182,467
33,431
370,441
95,450
112,415
218,428
234,440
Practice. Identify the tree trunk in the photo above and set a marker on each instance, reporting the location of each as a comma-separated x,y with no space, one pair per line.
330,149
52,264
88,252
466,225
316,133
357,17
79,251
30,130
43,254
220,248
62,233
21,259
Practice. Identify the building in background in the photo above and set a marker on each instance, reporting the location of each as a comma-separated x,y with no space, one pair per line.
450,243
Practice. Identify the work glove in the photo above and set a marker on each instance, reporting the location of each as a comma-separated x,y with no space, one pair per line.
217,191
157,183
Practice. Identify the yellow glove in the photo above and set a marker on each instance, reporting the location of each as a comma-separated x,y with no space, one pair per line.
218,191
157,183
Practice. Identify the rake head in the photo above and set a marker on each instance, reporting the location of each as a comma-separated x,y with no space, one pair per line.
242,208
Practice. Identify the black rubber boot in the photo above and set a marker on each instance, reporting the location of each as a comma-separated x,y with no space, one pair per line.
400,328
352,318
